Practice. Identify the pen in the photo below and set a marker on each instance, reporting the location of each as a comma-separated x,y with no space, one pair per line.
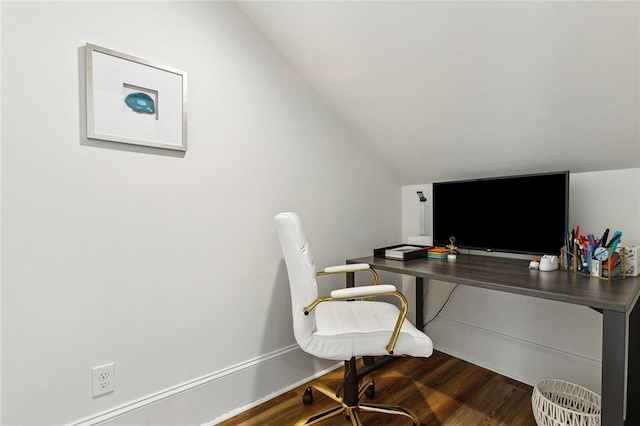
613,244
603,240
612,261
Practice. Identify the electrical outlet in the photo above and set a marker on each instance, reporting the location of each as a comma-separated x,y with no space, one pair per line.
103,379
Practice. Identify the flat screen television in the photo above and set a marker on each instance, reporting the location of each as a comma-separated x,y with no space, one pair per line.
516,214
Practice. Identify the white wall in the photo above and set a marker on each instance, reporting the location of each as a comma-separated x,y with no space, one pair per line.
522,337
165,264
0,227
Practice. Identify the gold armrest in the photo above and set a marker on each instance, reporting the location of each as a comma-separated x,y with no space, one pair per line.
396,329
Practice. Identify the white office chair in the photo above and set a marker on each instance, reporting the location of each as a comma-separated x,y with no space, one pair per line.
337,327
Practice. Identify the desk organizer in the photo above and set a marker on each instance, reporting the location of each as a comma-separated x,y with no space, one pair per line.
569,262
417,253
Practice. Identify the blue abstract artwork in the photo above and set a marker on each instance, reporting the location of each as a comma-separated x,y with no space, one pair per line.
140,103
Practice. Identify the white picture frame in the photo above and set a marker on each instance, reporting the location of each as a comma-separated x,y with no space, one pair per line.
135,101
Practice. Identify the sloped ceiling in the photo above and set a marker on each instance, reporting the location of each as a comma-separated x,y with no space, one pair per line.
456,90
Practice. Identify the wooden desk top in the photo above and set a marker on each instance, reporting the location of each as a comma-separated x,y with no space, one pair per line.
514,276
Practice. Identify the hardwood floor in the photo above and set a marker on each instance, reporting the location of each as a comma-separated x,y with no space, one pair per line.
440,390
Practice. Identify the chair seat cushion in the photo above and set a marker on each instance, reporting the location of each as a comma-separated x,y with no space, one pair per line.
359,328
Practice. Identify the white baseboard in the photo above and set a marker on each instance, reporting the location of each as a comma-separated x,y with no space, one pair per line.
523,360
266,398
221,394
218,396
527,357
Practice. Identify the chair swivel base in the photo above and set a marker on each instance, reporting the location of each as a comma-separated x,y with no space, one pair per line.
352,413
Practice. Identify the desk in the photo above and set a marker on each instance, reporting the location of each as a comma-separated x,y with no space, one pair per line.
615,299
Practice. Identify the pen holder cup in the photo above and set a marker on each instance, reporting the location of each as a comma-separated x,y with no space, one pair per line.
572,262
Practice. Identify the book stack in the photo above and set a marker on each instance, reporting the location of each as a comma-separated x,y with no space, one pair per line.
437,253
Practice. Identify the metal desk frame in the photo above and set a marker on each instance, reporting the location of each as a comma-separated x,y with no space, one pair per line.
615,299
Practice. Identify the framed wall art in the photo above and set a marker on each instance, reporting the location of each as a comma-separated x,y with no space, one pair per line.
135,101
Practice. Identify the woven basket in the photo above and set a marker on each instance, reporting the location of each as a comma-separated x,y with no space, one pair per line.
560,403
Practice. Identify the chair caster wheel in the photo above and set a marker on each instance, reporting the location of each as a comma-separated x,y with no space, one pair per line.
370,392
307,398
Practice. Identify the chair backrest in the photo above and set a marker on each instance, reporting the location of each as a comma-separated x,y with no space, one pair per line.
301,269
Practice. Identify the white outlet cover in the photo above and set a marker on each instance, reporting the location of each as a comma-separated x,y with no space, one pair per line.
103,379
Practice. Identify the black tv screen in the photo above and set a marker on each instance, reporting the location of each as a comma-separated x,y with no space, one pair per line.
516,214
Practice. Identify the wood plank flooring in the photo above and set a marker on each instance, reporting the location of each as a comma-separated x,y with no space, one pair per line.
440,390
